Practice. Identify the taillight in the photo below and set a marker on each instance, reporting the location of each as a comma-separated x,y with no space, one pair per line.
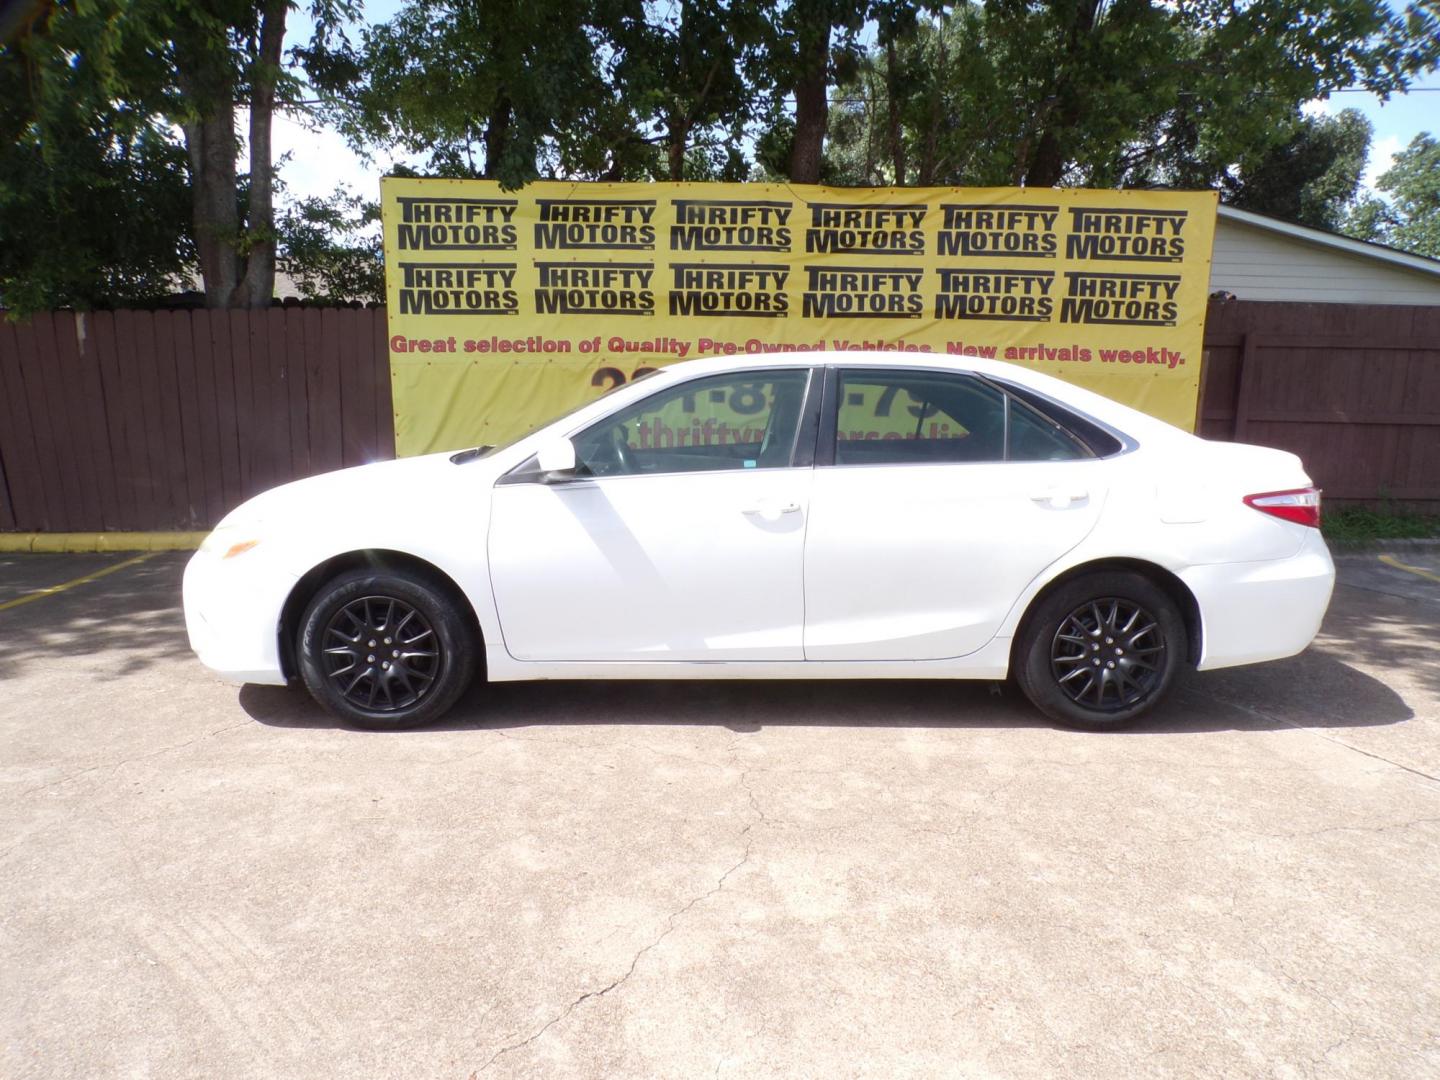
1300,505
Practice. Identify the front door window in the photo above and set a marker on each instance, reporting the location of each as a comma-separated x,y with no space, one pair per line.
739,420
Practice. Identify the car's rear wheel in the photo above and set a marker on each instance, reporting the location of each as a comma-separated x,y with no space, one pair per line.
1101,650
385,650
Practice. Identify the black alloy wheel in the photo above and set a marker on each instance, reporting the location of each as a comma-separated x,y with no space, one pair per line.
381,654
386,649
1100,650
1108,654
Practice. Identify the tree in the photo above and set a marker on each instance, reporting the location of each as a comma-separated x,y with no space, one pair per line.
1410,217
332,247
191,65
93,193
1121,92
810,45
682,77
218,50
500,89
1310,178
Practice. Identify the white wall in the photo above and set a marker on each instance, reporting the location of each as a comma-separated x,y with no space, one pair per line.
1257,264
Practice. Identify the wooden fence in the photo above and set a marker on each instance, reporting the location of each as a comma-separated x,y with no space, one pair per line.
164,420
138,420
1353,389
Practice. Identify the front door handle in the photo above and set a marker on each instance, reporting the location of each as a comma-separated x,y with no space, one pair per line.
1060,498
772,511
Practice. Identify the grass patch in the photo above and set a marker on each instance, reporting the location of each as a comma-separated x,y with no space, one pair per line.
1359,524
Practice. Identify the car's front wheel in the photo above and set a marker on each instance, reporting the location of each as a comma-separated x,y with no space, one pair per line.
385,650
1101,650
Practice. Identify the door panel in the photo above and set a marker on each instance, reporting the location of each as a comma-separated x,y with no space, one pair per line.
922,562
686,566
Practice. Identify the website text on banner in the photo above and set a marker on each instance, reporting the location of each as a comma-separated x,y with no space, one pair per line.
507,308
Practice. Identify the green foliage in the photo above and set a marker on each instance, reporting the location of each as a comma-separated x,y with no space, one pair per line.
94,201
1409,218
1129,93
332,248
1310,178
499,89
1360,525
682,78
119,174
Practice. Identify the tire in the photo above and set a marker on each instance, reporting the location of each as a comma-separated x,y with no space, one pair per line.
1125,673
400,653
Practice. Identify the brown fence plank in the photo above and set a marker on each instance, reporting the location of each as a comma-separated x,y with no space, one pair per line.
270,324
147,378
100,344
51,421
184,514
192,430
226,406
322,358
238,326
379,353
90,443
79,496
297,394
7,512
207,417
357,392
128,394
101,354
17,438
261,431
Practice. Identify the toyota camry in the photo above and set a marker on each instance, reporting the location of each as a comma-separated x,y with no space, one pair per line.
803,515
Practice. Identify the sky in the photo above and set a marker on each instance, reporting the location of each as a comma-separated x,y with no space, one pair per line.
319,159
1396,122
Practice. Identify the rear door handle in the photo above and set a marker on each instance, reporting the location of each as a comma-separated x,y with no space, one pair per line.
1060,498
772,511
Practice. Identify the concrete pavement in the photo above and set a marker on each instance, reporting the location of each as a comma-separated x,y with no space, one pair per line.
719,879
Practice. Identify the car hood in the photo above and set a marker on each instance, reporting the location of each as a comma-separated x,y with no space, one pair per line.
412,483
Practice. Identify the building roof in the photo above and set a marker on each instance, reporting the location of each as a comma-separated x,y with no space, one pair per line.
1350,246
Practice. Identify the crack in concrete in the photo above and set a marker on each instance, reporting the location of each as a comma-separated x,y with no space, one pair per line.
116,766
634,962
670,924
1263,715
1396,826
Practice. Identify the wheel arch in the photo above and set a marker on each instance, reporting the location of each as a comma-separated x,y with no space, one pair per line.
313,579
1165,579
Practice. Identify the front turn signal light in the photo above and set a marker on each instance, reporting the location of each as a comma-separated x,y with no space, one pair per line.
239,549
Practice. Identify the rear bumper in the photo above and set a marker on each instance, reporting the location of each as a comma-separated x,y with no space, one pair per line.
1256,611
232,616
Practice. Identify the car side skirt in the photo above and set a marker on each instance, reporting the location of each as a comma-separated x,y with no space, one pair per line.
990,662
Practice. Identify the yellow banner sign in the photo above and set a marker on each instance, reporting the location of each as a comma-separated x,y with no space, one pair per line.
507,308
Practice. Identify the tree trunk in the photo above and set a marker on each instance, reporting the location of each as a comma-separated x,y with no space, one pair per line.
1064,107
812,108
210,143
258,286
928,161
497,138
675,138
892,97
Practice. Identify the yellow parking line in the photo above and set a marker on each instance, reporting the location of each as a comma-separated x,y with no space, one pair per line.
1390,560
40,594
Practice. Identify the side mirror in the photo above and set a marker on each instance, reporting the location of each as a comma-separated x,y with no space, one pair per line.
556,460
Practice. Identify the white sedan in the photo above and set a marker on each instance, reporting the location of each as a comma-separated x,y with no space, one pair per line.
805,516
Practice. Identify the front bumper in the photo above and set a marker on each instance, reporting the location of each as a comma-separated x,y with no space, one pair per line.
232,615
1256,611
